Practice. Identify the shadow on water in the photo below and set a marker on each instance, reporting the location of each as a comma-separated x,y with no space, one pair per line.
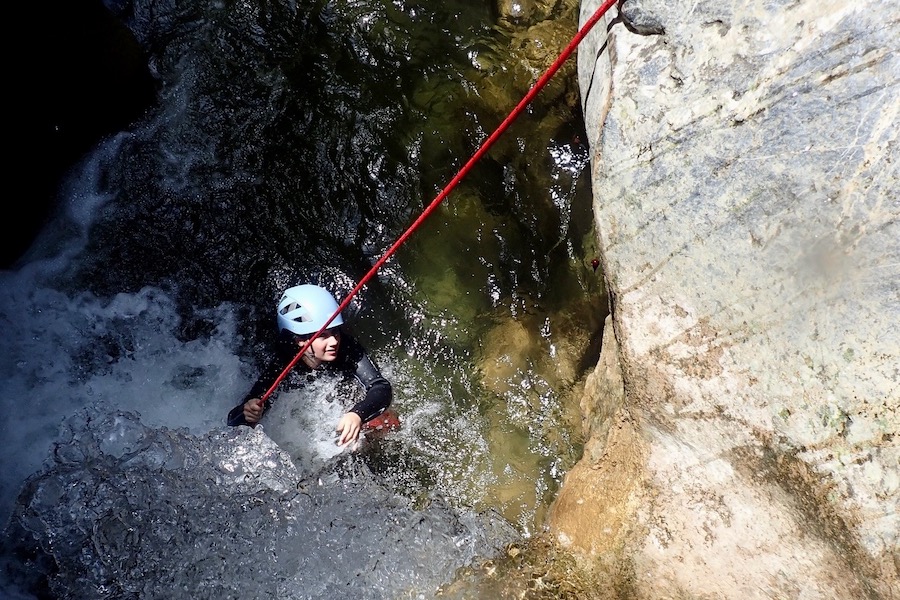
295,142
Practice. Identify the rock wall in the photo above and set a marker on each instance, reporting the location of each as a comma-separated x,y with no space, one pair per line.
743,419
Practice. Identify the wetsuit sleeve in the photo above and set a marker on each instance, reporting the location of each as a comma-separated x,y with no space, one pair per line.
270,373
236,414
378,389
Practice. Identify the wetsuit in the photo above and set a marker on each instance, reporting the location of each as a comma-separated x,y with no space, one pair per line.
352,360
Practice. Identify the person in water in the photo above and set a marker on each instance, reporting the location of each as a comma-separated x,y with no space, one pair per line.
302,311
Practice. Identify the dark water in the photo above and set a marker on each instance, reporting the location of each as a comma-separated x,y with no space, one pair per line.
293,142
79,77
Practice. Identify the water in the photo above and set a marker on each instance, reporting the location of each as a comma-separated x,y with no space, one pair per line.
295,142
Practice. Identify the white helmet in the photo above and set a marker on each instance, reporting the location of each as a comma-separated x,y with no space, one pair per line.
303,309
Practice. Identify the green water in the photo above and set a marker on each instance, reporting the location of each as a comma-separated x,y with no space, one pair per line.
508,310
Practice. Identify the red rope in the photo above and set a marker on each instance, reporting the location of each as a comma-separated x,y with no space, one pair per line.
453,182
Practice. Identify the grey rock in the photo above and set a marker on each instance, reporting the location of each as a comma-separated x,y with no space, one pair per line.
642,17
745,181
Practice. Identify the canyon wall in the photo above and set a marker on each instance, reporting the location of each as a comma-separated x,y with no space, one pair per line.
743,420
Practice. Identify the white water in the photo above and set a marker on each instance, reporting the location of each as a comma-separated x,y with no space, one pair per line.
139,489
67,349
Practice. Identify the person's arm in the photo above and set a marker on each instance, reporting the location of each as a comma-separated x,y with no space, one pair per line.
250,411
378,394
378,390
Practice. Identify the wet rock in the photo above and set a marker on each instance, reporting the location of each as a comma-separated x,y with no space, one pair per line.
515,10
527,12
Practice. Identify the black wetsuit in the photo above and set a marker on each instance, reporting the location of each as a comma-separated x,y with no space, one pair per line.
352,360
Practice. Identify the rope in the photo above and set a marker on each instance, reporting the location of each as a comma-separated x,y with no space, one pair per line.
545,78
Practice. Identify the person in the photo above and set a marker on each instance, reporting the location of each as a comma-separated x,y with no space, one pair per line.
302,311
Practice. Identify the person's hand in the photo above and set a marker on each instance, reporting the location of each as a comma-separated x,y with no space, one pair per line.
348,428
253,410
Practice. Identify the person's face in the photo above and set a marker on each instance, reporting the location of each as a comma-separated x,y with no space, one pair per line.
325,347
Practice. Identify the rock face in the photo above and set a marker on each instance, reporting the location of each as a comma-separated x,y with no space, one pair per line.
90,80
743,419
